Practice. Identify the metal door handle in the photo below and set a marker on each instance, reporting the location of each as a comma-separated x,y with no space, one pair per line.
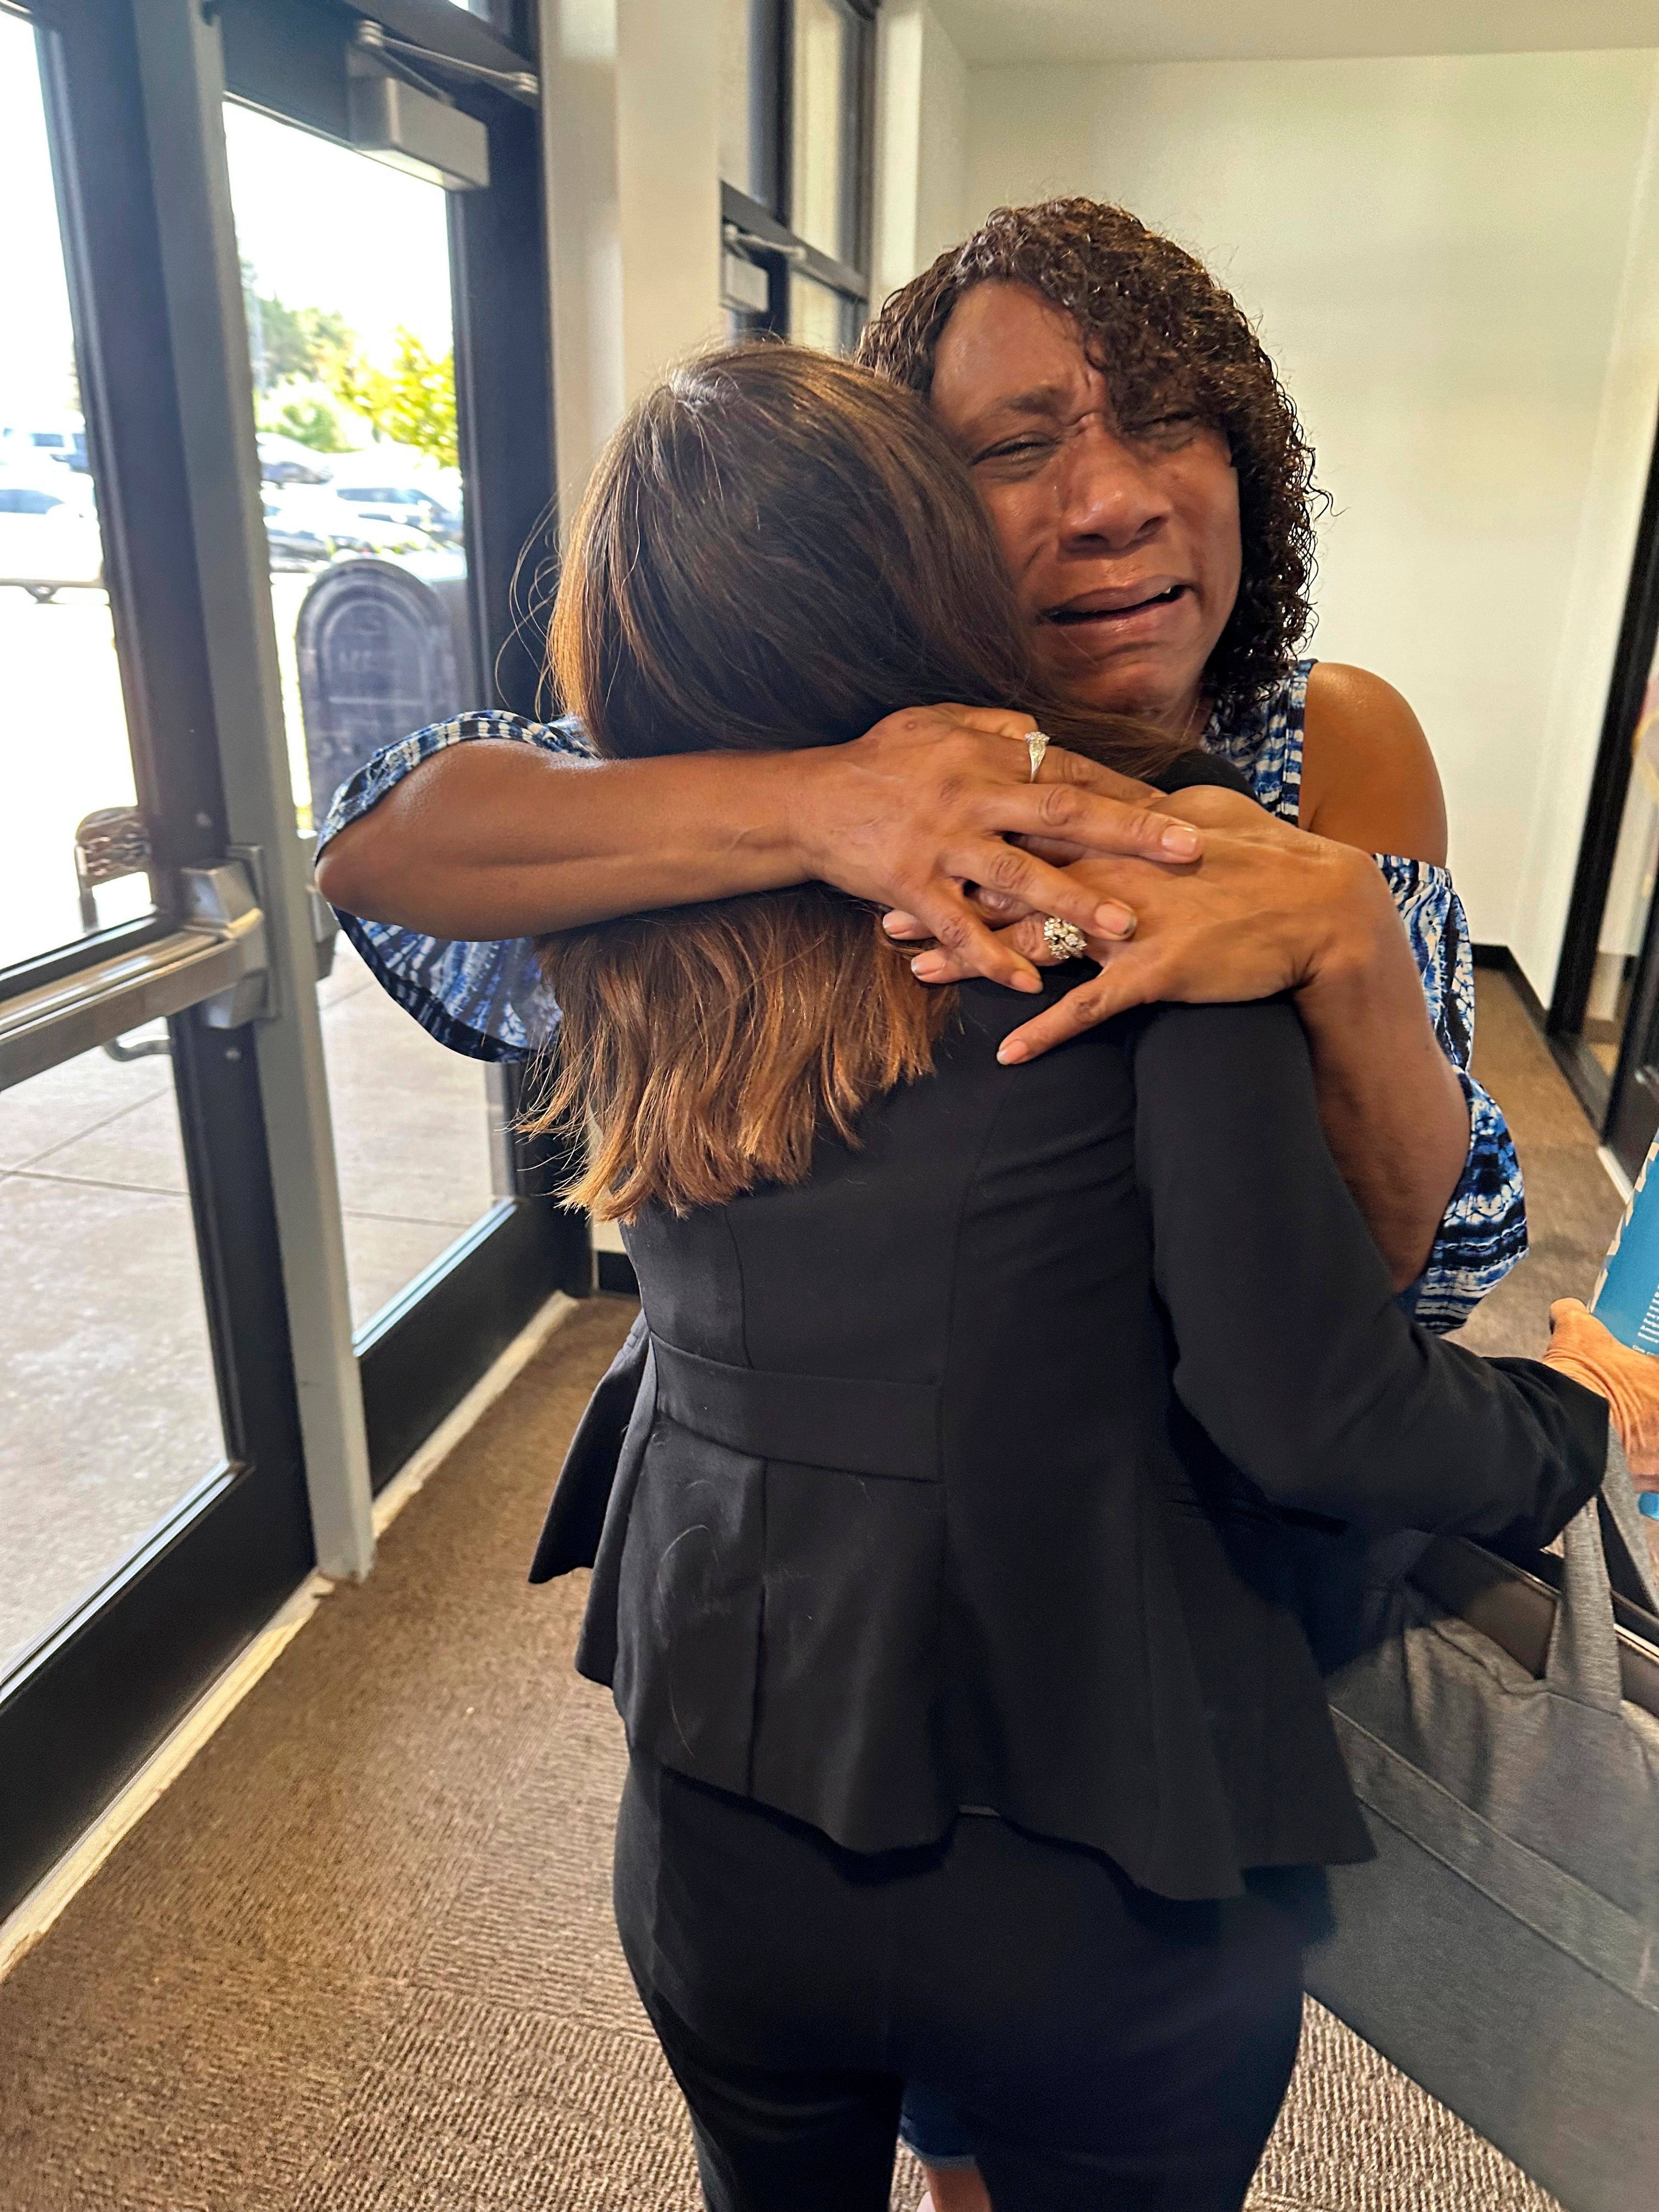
215,959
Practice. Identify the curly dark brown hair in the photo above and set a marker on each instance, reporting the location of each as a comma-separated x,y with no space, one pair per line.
1155,322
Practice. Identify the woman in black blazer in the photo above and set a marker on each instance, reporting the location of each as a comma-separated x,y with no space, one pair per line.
1011,1438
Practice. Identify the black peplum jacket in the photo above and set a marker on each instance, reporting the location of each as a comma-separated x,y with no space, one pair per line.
1025,1456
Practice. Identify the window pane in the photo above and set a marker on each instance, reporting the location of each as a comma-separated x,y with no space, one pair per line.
108,1411
820,160
347,287
415,1128
737,165
1630,893
59,680
818,316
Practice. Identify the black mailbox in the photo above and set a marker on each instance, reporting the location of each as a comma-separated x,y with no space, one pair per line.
384,647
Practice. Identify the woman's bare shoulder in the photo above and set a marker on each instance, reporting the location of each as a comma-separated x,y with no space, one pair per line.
1368,777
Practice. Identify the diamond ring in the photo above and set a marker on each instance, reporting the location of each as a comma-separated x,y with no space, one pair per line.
1063,939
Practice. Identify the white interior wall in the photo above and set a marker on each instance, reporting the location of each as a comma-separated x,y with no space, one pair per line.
1455,262
921,143
630,150
631,157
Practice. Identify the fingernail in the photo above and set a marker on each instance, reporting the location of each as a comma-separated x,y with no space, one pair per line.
889,921
1181,838
1114,920
1026,980
1011,1052
927,967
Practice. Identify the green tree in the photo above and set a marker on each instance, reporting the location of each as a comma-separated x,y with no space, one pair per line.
309,421
412,403
284,341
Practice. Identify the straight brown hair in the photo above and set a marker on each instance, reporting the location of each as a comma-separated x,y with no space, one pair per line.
776,550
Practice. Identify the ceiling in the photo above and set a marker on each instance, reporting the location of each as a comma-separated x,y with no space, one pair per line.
987,31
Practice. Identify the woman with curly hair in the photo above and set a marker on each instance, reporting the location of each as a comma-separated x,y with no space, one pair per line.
1152,492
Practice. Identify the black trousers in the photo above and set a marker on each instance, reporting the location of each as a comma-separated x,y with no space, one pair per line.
1108,2051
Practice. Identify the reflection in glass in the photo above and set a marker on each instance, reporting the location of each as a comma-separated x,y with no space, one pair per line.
818,316
108,1411
737,158
820,162
346,290
1630,893
62,721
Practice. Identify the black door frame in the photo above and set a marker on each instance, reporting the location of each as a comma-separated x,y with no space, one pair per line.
1622,1107
94,1698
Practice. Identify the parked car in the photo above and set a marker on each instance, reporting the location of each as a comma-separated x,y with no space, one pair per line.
64,442
377,501
285,461
292,545
307,526
49,538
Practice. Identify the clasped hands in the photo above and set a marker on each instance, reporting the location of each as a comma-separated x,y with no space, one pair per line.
1199,896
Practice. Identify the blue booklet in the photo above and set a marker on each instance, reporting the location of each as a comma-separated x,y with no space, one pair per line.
1625,1299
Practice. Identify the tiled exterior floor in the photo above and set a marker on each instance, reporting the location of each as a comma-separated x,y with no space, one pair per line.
108,1413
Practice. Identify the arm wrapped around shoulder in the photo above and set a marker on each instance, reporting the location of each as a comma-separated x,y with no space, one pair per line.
1291,1350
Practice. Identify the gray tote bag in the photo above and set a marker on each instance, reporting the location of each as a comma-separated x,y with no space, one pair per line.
1503,1949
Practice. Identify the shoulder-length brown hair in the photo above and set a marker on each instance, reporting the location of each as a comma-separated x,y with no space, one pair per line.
776,550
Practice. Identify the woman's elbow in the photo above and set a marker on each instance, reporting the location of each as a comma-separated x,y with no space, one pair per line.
346,872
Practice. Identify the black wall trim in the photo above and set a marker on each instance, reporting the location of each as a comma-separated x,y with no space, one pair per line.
503,383
1500,956
1632,663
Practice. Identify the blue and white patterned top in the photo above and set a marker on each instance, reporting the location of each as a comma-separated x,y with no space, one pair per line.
490,1000
1485,1229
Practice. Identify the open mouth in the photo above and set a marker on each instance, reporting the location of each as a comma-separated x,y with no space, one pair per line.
1106,608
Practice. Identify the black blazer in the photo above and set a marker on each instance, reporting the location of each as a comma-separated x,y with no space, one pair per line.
970,1470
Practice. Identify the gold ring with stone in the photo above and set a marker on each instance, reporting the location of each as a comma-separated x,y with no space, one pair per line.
1036,745
1064,939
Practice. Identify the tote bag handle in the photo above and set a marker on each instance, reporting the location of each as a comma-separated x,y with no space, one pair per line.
1583,1661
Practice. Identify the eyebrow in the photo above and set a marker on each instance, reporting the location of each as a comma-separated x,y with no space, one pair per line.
1042,399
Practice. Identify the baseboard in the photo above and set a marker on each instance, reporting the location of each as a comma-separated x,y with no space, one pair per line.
1589,1078
34,1915
1500,957
505,1369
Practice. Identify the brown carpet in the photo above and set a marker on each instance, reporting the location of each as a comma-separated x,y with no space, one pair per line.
1573,1205
360,1957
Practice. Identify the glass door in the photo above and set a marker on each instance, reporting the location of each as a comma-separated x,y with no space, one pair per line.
112,1416
1603,1019
189,1424
151,1470
346,281
372,214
